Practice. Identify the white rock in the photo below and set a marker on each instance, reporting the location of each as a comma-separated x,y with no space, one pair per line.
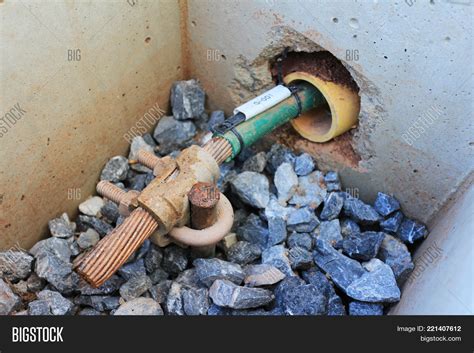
286,182
92,206
139,143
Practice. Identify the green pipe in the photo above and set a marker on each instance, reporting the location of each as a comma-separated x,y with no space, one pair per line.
255,128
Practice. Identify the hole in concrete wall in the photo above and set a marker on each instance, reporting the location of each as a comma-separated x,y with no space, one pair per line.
353,149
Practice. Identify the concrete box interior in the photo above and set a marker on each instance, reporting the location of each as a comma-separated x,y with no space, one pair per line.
85,73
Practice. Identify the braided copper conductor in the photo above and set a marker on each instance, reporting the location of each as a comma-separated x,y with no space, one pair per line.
114,249
219,148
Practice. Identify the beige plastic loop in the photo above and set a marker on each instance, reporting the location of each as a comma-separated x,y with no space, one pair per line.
212,234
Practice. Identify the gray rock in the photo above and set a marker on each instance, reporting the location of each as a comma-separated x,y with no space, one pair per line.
115,170
174,301
95,301
74,247
392,223
254,231
195,301
153,259
295,297
159,291
252,188
9,301
302,240
89,312
331,177
227,174
378,285
172,134
189,279
187,99
256,163
217,117
386,204
304,164
110,211
39,307
329,231
175,259
92,206
85,222
302,220
53,263
133,269
300,258
275,210
15,265
286,182
88,239
138,182
216,310
135,287
61,227
360,212
243,252
349,227
317,278
336,306
395,254
277,256
411,231
277,155
363,246
53,246
158,275
276,230
332,206
341,269
139,143
209,270
149,139
110,303
227,294
108,287
58,305
262,275
311,191
357,308
139,306
35,283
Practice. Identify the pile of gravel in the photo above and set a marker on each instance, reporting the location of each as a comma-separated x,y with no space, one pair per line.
300,244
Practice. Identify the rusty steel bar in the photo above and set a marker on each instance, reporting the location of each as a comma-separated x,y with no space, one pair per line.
203,198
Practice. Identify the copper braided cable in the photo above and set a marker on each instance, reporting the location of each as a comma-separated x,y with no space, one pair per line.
219,148
115,248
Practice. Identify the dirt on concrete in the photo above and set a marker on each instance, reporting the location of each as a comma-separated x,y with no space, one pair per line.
321,64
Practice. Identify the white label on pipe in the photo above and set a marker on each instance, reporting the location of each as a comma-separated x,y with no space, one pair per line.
263,102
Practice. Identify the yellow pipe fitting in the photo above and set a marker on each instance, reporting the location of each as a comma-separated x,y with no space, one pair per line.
317,125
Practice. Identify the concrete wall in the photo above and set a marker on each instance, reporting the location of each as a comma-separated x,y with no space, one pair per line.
411,59
73,113
443,280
